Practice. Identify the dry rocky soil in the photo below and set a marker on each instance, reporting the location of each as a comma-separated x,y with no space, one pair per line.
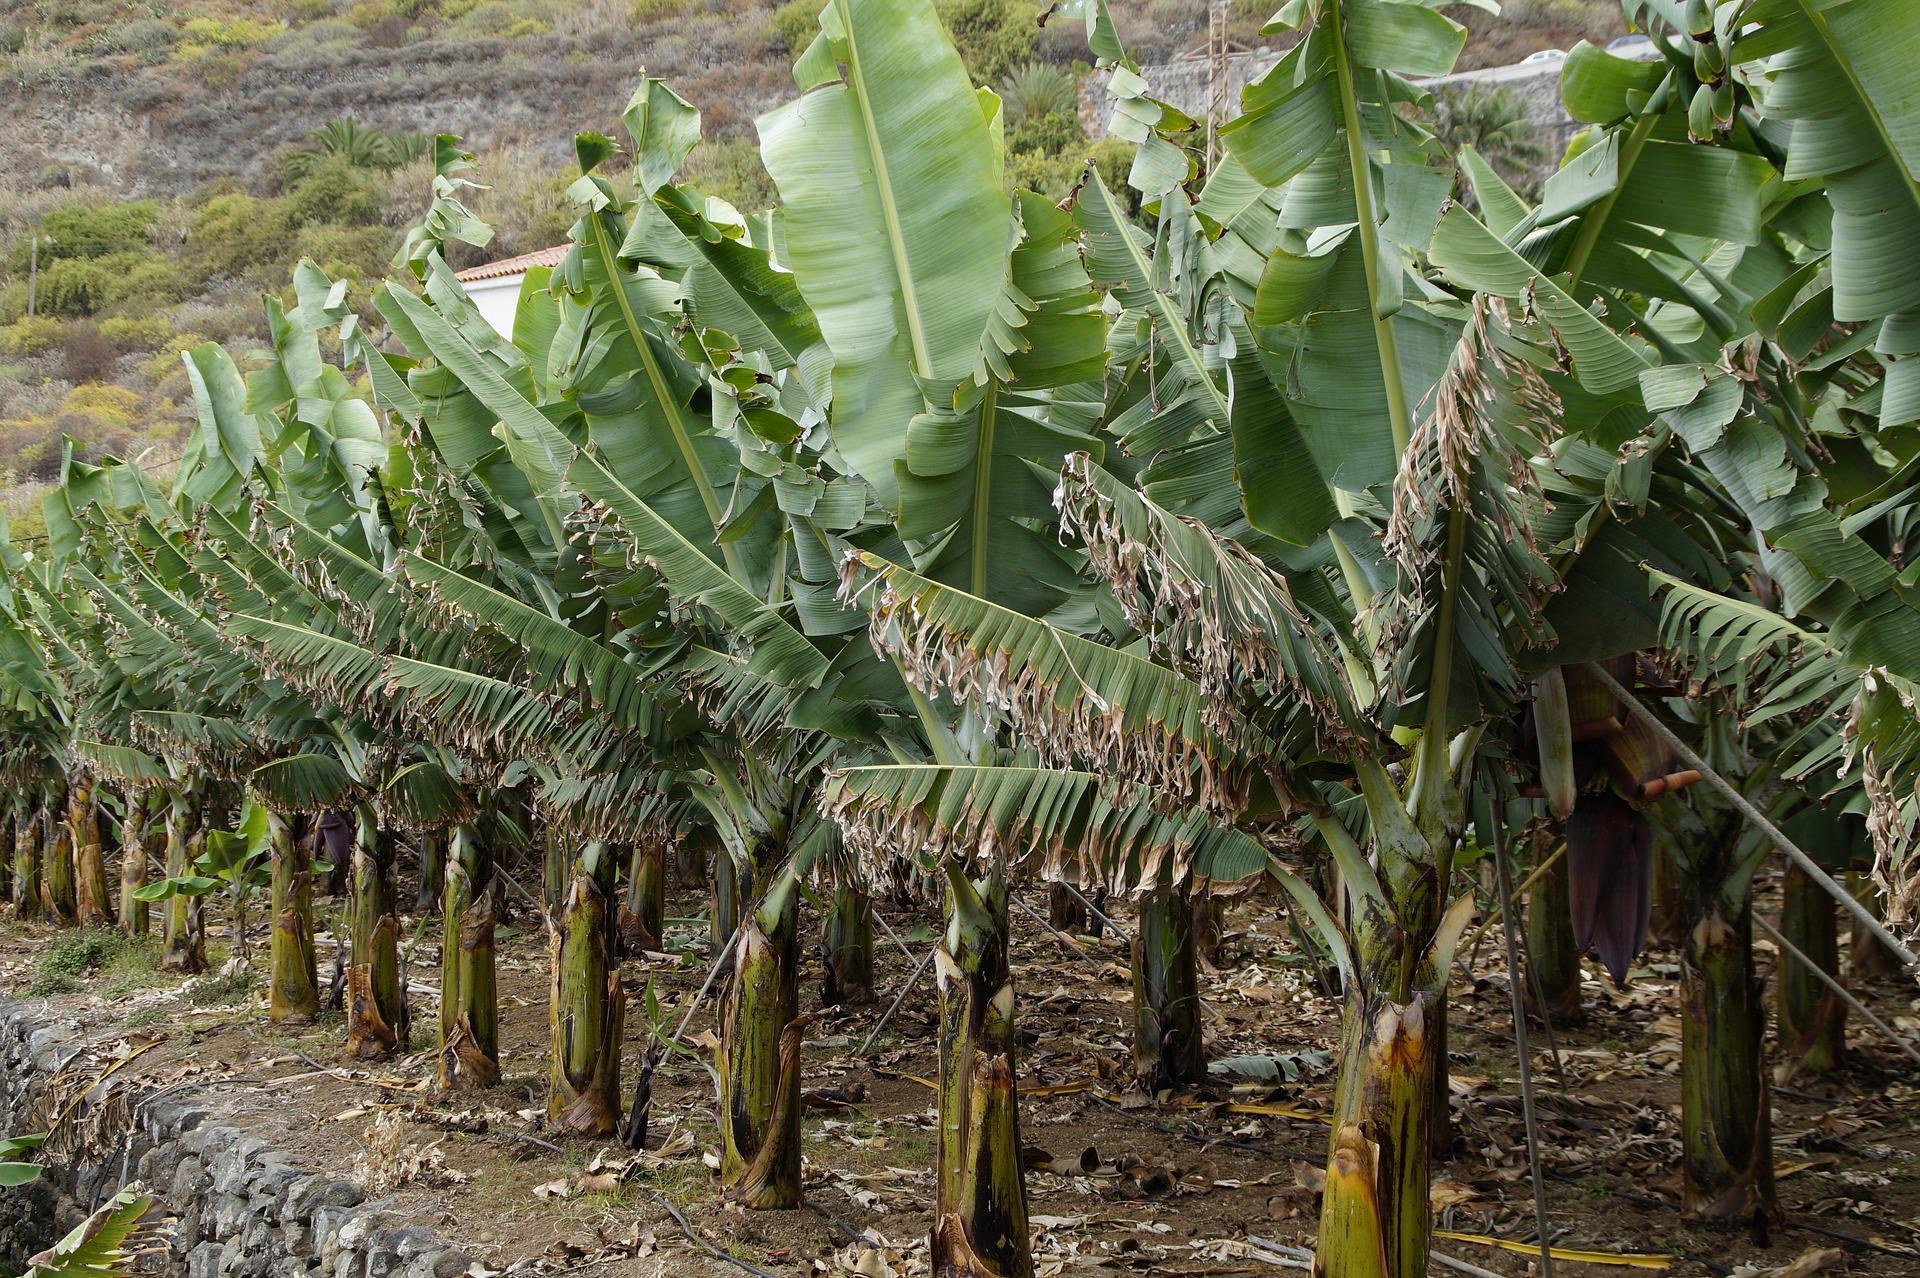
1118,1182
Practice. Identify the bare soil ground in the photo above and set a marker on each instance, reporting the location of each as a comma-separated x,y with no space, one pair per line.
1119,1182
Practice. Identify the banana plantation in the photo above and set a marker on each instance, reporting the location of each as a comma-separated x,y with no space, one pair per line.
954,594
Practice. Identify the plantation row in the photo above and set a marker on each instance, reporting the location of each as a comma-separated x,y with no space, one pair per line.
1276,514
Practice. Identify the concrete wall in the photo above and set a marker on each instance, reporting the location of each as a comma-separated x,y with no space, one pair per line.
244,1209
497,299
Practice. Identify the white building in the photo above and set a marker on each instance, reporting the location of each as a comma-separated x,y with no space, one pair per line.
495,286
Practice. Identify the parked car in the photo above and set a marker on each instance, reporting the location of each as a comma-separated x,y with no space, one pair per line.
1544,55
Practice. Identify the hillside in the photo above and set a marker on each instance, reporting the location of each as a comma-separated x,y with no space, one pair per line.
163,155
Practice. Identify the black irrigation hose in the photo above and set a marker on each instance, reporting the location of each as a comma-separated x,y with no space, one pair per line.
1850,1239
694,1236
814,1204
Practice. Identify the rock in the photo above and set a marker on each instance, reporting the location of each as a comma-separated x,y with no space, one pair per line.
244,1209
447,1262
321,1191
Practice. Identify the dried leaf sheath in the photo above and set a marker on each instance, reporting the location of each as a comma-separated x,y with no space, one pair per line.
1212,608
1112,834
1075,702
1466,489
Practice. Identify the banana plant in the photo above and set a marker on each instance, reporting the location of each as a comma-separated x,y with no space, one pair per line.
234,862
116,1240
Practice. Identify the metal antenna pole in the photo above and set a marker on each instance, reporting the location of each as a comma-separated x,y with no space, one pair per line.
1520,1041
1216,77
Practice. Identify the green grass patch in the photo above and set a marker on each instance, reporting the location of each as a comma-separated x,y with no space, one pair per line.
150,1017
231,990
133,967
73,955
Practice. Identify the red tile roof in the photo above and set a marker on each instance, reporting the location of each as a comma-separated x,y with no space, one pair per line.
518,265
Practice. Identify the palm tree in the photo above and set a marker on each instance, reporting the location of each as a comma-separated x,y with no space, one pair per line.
1036,90
361,146
1493,125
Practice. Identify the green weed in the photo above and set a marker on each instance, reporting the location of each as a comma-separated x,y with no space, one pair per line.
231,990
72,955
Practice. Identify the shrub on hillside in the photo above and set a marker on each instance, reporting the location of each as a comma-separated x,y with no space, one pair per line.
204,67
77,287
730,169
1048,134
73,287
111,406
90,230
34,336
233,234
230,33
334,193
369,13
524,203
357,254
305,10
326,35
509,18
88,355
1055,175
148,39
793,26
136,332
993,36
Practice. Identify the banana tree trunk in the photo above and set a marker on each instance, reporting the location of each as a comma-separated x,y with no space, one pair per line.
759,1058
848,978
1209,915
134,913
26,865
7,833
433,862
1065,911
1374,1217
293,984
690,863
980,1205
89,859
375,1012
1553,978
723,919
1870,959
1440,1133
469,1013
643,915
588,1007
554,872
57,882
1726,1114
183,947
1168,1051
1666,919
1812,1018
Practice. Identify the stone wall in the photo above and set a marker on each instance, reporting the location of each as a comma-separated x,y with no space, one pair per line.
1186,84
244,1210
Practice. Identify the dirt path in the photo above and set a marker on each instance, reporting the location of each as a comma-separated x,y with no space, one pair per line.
1116,1181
